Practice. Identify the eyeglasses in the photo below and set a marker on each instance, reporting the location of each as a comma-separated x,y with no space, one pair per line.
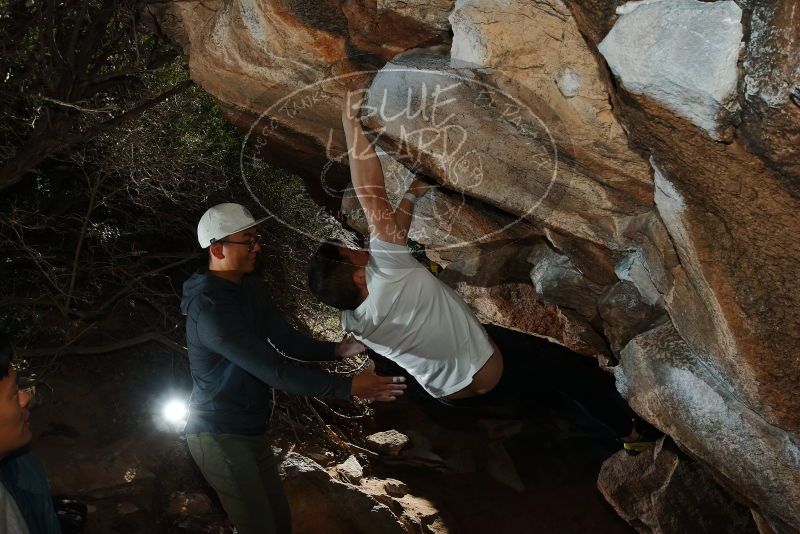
251,243
27,386
33,398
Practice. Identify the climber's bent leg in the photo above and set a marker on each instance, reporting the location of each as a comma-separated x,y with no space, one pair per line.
536,369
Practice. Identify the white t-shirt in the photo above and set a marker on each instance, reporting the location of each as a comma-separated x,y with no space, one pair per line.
417,321
11,520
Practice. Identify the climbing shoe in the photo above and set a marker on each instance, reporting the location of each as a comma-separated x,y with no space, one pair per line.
646,436
634,448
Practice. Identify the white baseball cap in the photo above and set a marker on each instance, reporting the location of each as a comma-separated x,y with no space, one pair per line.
223,220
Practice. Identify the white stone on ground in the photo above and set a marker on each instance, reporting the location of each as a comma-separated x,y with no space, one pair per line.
395,488
388,442
351,469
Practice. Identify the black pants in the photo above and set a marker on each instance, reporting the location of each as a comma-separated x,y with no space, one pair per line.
536,372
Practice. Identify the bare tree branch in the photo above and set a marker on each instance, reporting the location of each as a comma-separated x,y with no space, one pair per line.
38,149
103,349
128,287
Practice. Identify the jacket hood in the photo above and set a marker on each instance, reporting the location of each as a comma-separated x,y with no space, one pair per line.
204,284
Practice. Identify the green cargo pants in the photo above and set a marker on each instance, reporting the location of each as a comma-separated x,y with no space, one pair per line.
244,473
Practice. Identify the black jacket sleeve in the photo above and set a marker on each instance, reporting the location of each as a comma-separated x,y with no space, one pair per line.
222,329
291,343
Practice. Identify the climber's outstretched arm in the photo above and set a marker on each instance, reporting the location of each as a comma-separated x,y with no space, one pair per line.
367,176
404,212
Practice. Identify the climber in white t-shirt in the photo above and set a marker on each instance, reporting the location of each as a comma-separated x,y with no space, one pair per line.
396,307
393,304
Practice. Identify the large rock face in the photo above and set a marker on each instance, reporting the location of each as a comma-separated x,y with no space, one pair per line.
682,54
605,167
771,122
321,503
662,490
549,67
660,376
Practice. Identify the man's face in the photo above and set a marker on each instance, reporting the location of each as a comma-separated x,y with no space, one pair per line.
237,257
15,431
359,258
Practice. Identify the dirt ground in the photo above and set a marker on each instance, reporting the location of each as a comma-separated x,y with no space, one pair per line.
536,475
99,433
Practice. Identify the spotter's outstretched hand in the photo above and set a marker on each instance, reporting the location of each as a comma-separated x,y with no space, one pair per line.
370,386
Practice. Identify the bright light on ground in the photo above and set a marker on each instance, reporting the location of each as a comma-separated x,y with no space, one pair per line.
175,411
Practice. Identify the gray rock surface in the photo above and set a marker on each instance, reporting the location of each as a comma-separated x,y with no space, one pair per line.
660,376
431,13
388,442
681,53
661,491
350,470
323,504
625,314
557,280
395,488
771,122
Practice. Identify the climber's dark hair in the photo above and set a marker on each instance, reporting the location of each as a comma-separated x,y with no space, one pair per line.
6,355
330,277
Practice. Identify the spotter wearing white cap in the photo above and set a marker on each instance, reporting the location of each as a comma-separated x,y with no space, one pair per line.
223,220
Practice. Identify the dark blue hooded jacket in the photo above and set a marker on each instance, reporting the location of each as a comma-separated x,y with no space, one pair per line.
24,477
237,339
